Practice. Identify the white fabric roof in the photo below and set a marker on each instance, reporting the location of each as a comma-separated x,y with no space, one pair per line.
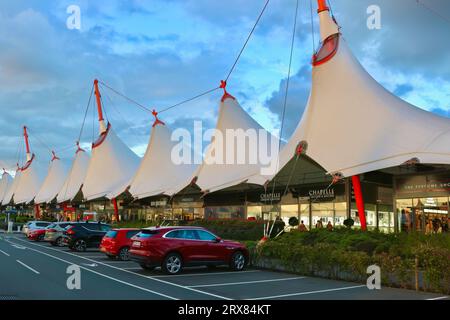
11,189
353,125
5,184
57,173
111,168
75,178
158,173
29,183
213,176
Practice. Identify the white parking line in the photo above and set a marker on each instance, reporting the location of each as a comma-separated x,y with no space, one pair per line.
438,298
305,293
244,282
4,253
137,274
28,267
204,274
100,274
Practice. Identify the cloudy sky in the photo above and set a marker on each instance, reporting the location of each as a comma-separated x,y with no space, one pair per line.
160,52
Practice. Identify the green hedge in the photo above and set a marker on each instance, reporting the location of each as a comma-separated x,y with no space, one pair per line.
346,254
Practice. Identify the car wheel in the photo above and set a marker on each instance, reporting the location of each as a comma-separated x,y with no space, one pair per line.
146,267
124,254
60,242
172,264
237,262
40,238
80,245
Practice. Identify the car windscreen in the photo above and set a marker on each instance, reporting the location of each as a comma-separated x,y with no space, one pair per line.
42,224
145,234
111,234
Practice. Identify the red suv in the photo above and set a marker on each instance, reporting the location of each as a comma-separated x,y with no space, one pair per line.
173,248
117,242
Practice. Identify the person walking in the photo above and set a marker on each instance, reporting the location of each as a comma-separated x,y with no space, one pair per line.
319,224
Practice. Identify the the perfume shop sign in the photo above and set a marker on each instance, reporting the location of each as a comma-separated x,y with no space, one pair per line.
424,185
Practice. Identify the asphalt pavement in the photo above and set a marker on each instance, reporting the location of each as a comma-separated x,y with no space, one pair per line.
37,270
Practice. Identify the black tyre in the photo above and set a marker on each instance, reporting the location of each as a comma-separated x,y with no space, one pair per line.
238,261
40,238
172,264
60,242
80,245
124,254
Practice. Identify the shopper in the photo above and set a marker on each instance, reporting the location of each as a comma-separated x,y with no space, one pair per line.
329,226
319,224
302,227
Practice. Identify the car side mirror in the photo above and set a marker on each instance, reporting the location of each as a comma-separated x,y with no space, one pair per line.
218,239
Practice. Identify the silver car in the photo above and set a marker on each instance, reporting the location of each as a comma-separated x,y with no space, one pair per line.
54,234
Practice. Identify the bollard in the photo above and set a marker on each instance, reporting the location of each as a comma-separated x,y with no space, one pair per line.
10,227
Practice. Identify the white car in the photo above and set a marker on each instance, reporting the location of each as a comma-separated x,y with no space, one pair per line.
34,225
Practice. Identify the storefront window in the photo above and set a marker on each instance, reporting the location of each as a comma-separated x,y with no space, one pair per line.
322,213
254,212
404,211
289,211
304,214
229,212
385,219
340,213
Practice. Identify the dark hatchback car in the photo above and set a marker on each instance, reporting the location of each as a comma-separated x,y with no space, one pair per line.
80,236
173,248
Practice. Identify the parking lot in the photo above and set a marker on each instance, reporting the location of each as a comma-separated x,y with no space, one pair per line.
36,270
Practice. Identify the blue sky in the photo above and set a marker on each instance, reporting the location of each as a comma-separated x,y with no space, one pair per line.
161,52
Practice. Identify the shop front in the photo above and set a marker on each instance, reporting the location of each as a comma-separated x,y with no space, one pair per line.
422,202
188,207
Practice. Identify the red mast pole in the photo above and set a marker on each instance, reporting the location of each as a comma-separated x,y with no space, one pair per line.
25,135
359,201
116,209
99,101
322,6
99,107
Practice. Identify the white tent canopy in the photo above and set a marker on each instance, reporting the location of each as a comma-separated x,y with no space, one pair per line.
12,188
57,173
29,183
353,125
158,173
216,172
5,184
111,167
75,178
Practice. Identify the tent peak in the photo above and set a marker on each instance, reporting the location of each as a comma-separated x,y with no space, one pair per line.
79,149
226,95
157,121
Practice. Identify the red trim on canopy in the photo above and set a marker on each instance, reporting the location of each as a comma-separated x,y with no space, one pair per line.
322,6
327,51
28,164
157,121
79,148
54,157
226,95
102,137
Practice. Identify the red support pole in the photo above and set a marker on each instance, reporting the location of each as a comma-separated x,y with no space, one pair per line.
359,201
116,209
25,135
99,101
322,5
37,211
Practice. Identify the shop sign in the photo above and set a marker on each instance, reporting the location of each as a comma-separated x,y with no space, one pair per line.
425,185
322,193
265,197
158,203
